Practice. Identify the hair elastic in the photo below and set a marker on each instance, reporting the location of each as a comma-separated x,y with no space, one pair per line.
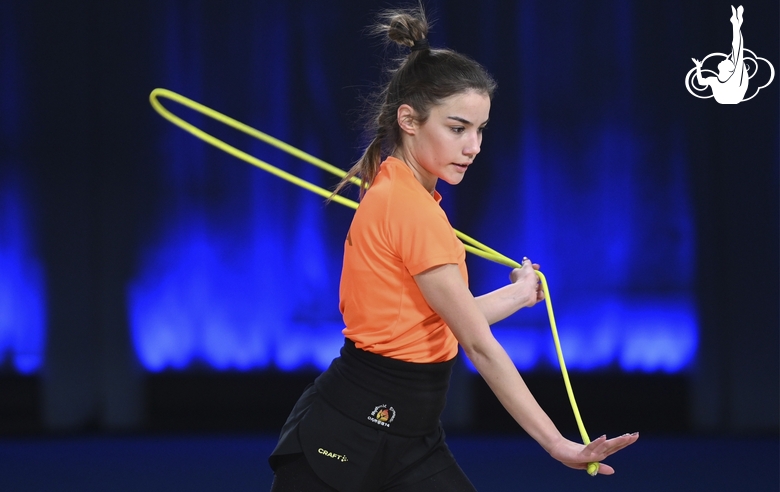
421,44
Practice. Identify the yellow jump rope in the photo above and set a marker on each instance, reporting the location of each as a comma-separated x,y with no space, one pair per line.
472,246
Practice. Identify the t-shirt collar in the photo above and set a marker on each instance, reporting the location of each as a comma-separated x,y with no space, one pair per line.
398,163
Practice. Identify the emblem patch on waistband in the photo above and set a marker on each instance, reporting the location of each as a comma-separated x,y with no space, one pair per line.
382,415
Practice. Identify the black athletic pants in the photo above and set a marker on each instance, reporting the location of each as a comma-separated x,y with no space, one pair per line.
293,474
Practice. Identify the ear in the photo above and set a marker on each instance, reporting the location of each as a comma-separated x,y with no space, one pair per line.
407,120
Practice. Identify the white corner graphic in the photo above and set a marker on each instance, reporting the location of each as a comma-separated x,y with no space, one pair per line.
730,84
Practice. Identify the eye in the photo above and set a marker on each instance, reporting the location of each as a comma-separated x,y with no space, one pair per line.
457,129
481,129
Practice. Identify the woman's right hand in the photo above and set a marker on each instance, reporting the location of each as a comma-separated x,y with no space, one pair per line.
578,456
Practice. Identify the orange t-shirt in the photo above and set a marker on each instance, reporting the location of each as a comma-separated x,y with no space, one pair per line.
399,231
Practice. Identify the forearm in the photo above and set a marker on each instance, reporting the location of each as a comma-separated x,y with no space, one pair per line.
445,291
502,303
699,78
495,366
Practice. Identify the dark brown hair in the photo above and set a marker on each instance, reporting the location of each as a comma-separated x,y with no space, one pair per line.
422,79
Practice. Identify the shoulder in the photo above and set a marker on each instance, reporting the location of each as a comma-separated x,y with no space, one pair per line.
396,190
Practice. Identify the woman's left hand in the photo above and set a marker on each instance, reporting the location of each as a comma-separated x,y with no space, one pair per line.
578,456
528,276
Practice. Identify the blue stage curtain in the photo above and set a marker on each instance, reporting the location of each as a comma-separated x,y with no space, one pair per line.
597,163
580,171
22,279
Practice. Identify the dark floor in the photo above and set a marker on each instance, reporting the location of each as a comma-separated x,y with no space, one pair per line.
238,463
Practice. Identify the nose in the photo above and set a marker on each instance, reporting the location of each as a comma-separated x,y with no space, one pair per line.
472,147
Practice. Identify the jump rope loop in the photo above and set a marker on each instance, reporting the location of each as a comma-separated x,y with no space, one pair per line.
472,245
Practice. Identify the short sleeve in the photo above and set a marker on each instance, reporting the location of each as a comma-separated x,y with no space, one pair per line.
421,234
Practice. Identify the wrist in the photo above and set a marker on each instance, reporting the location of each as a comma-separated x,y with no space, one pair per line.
520,295
553,444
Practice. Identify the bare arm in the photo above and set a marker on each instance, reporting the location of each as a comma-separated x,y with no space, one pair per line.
702,81
445,291
503,302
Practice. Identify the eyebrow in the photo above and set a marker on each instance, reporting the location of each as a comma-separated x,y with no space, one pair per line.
465,121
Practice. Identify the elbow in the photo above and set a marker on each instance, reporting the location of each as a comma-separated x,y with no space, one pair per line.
481,351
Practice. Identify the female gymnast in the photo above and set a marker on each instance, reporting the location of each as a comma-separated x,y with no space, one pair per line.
731,84
370,422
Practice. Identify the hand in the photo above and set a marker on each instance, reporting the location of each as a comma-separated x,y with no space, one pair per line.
697,62
578,456
529,281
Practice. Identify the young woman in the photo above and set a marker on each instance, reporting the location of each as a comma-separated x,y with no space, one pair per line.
370,422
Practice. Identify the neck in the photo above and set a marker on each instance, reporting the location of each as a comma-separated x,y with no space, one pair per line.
424,177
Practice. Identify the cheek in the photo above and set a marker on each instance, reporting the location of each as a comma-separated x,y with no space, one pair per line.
431,148
442,146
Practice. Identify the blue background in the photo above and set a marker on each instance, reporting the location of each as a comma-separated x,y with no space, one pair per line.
130,247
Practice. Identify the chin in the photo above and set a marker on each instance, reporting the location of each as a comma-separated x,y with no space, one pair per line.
453,180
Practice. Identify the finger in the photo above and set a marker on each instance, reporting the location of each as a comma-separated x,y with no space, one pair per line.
614,445
594,451
605,469
602,447
622,442
536,266
612,448
599,441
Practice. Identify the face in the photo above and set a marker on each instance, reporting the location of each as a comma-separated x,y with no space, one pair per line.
725,68
445,145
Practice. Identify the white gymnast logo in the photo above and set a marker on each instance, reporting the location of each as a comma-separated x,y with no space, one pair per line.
730,84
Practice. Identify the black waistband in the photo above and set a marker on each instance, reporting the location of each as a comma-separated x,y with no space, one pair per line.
400,397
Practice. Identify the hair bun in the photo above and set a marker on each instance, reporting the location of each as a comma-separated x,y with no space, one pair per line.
405,27
420,80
